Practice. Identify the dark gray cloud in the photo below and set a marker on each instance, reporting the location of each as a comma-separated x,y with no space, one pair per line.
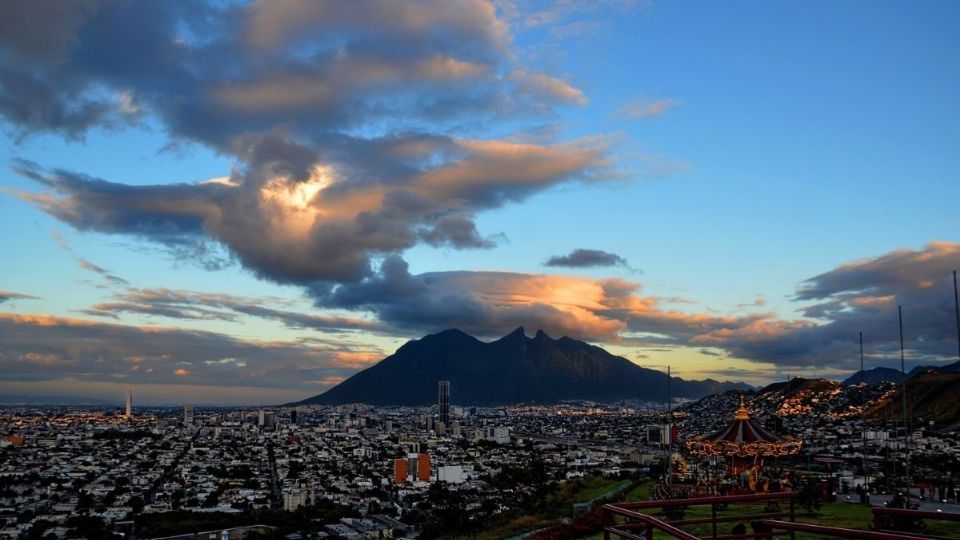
6,296
854,297
85,264
358,128
44,348
861,296
180,304
212,72
587,258
294,223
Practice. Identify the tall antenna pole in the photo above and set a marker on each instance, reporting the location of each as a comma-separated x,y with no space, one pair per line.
669,432
956,308
906,425
863,403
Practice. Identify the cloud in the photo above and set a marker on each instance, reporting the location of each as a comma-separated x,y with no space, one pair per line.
855,297
490,304
860,296
543,86
213,72
292,219
87,265
49,348
6,296
641,107
192,305
533,14
586,258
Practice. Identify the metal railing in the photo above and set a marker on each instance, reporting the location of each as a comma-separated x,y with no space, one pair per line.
640,522
879,512
641,526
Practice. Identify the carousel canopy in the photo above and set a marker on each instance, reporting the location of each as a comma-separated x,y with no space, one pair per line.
743,437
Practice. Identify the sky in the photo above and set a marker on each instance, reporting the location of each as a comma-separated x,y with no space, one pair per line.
247,202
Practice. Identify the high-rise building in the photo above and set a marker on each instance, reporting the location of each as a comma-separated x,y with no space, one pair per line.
423,468
443,401
400,471
129,404
187,413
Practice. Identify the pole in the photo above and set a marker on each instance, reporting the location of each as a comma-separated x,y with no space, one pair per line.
863,403
956,308
906,425
669,432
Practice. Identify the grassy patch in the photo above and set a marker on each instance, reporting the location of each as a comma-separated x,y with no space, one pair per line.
596,486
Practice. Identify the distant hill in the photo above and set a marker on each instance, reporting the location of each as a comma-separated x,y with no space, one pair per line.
930,396
874,376
511,370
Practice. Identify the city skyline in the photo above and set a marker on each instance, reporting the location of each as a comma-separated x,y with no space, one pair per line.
247,203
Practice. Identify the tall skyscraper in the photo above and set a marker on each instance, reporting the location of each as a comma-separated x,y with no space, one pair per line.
129,404
443,402
188,414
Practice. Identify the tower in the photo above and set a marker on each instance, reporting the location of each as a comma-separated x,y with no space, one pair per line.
129,404
188,414
443,401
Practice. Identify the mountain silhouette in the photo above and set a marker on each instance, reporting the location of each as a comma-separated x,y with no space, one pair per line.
874,376
513,369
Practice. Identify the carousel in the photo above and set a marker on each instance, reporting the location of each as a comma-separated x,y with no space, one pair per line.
742,447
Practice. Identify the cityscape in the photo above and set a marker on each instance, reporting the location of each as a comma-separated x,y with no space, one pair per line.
479,269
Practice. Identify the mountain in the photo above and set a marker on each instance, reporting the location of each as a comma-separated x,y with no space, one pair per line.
932,395
874,376
513,369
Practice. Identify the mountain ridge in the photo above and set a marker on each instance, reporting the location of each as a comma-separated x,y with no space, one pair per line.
513,369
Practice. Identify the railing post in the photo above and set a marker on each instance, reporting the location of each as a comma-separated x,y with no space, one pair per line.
793,519
649,533
713,515
877,521
606,534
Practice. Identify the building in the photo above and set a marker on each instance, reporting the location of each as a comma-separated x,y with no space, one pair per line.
187,413
452,474
129,404
423,468
294,498
11,440
400,471
499,435
443,402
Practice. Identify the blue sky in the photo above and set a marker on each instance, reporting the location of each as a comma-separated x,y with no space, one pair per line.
731,154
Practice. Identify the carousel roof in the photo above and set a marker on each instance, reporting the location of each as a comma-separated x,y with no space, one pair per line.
744,437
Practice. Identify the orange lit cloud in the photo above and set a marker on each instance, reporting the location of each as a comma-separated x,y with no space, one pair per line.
44,347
